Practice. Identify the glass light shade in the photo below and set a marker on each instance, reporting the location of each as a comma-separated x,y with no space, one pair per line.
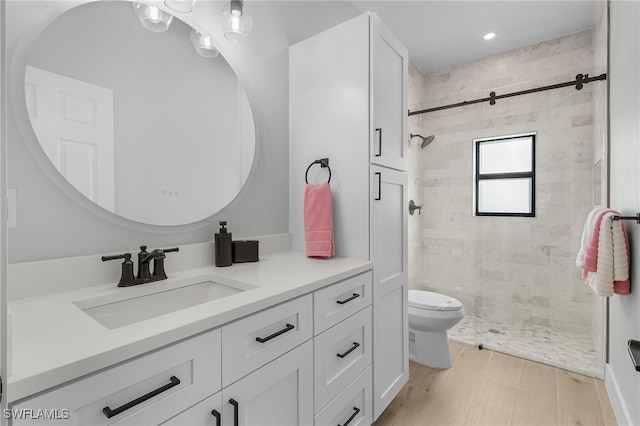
202,44
152,18
184,6
236,22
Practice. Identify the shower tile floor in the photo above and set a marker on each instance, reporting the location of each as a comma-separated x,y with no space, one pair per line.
553,347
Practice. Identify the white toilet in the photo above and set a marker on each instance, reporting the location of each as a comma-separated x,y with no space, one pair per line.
430,316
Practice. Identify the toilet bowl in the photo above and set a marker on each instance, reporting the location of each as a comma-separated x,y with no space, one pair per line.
430,316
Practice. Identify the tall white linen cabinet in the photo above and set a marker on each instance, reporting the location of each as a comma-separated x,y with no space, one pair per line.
348,103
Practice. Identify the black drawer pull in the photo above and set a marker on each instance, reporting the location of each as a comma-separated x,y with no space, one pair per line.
216,414
351,349
342,302
110,413
276,334
379,197
379,154
235,411
356,410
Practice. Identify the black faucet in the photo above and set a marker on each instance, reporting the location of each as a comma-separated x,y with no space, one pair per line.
127,279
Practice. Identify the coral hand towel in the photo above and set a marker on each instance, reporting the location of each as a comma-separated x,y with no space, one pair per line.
318,221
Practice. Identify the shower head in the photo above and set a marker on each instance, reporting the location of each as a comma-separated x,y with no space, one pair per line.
425,140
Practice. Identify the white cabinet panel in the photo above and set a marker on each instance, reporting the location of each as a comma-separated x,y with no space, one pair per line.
390,293
352,407
339,301
278,394
251,342
204,413
341,354
177,377
389,70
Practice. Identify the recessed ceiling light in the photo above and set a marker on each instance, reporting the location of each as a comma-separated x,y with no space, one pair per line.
489,36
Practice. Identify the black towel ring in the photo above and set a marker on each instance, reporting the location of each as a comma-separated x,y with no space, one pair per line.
324,162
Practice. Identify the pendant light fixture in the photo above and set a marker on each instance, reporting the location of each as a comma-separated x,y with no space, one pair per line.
152,18
184,6
236,22
202,44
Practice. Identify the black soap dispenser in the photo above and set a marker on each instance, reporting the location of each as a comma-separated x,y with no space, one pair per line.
223,246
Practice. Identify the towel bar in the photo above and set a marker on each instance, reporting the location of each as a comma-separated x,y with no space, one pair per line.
636,218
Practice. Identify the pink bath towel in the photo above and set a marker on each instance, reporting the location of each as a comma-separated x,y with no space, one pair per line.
589,261
318,221
605,259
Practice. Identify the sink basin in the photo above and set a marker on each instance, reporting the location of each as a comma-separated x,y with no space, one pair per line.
114,311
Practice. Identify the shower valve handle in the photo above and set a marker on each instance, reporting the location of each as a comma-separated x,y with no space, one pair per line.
413,207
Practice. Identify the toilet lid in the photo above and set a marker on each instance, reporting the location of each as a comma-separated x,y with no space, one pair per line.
433,301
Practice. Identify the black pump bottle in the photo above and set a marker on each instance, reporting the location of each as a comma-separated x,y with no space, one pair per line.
223,246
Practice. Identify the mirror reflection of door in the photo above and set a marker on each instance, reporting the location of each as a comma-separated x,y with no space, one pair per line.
73,121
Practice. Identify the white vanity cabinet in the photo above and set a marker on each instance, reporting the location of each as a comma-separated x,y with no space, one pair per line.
343,352
348,103
270,345
280,393
253,341
270,367
147,390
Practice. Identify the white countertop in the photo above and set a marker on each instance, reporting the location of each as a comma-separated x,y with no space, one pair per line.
54,341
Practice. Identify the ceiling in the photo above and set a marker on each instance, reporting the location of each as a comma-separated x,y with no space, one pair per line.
440,34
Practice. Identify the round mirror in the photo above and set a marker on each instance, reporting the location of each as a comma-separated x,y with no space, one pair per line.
138,121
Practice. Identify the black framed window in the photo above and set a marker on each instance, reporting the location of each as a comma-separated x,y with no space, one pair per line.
505,176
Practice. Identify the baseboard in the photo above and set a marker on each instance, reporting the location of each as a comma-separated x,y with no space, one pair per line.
615,396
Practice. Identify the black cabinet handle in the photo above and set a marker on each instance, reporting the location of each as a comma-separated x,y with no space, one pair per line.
276,334
379,197
342,302
110,413
235,411
356,410
351,349
216,414
379,154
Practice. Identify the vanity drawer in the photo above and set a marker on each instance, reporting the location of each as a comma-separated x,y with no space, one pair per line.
145,391
352,407
339,301
253,341
340,355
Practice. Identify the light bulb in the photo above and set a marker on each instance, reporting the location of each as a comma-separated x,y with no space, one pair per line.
154,14
203,45
152,18
236,22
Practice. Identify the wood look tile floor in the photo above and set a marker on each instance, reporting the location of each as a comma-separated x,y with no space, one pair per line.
489,388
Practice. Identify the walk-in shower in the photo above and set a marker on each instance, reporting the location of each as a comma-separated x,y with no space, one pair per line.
514,274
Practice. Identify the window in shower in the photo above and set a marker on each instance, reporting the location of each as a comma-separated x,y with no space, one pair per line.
505,176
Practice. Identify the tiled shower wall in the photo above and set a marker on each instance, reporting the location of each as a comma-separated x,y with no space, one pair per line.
509,269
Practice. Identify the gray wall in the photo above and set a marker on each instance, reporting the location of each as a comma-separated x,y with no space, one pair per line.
624,316
54,222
